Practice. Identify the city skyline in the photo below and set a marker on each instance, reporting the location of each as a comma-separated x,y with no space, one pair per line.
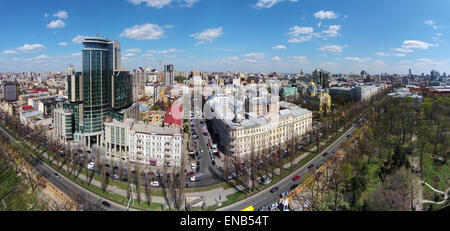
248,36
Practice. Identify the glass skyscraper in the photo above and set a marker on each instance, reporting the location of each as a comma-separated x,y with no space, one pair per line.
100,90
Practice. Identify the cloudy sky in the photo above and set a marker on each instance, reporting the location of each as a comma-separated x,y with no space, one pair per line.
226,35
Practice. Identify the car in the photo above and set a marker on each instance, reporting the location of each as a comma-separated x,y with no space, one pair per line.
213,162
190,173
185,170
90,165
193,179
294,186
273,206
311,166
154,183
300,147
198,162
325,154
201,150
57,175
106,204
116,176
262,208
283,194
348,136
296,178
193,166
220,168
274,189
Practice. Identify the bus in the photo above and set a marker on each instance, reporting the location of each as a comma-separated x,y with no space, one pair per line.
249,209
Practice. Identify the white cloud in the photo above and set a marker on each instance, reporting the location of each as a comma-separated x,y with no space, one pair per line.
144,32
207,36
228,59
152,3
300,39
255,56
400,55
402,50
379,63
134,50
76,54
61,14
9,52
29,48
63,44
429,22
279,47
130,55
382,54
251,60
296,31
56,24
332,31
276,58
266,3
359,60
300,59
332,48
164,52
325,15
46,15
188,3
414,44
78,39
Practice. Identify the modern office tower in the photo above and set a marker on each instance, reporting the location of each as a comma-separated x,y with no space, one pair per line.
70,70
321,78
169,75
410,73
435,75
9,90
98,91
117,52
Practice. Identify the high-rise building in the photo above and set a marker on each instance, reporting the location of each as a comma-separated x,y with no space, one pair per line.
435,75
9,90
169,75
410,73
117,52
98,91
321,78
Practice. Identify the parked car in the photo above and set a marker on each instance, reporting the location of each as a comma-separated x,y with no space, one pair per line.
283,194
311,166
325,154
90,165
190,173
193,179
296,178
294,186
106,204
57,175
274,189
154,183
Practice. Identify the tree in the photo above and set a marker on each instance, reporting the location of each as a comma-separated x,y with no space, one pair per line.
396,193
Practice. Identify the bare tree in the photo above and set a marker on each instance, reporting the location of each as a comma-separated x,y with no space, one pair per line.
137,174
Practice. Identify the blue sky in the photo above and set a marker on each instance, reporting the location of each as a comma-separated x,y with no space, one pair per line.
226,35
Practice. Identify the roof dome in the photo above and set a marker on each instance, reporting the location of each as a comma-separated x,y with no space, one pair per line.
108,119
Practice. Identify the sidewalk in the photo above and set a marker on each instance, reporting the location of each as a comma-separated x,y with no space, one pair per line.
210,196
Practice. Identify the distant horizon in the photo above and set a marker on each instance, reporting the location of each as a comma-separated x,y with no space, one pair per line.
244,35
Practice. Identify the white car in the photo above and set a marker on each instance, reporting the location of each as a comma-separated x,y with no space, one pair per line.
91,165
193,179
154,183
193,166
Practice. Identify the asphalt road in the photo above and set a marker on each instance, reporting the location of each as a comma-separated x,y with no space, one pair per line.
266,198
88,200
211,174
